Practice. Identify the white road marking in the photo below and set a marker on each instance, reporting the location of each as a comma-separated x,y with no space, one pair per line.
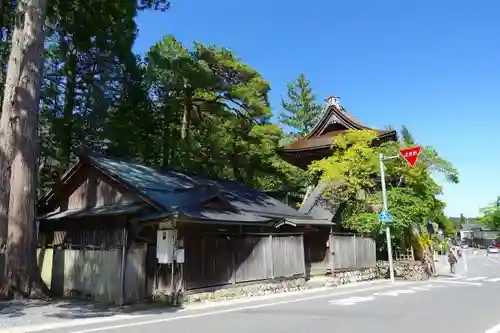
494,329
465,265
421,288
351,300
493,260
477,278
395,293
432,286
460,282
217,312
493,280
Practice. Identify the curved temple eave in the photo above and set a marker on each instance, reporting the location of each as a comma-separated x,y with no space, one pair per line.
304,154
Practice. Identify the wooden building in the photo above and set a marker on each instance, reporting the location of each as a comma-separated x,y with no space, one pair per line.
122,232
316,145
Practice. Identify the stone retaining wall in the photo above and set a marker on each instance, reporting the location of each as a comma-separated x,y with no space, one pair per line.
252,290
357,275
406,270
272,287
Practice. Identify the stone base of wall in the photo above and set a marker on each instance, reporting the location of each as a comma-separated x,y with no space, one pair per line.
268,288
357,275
406,270
259,289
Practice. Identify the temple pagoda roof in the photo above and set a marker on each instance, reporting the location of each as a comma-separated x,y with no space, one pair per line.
318,143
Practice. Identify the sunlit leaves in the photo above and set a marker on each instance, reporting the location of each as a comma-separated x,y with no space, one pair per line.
491,215
351,166
354,168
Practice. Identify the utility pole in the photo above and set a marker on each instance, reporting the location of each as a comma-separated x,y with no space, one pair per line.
411,156
386,211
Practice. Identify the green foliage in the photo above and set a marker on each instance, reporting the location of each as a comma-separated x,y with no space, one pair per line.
301,112
447,225
491,215
424,241
199,108
351,167
353,174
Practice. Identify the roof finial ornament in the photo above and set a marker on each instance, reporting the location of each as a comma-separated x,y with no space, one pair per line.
332,100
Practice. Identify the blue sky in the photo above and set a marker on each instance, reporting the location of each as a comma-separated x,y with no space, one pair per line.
431,65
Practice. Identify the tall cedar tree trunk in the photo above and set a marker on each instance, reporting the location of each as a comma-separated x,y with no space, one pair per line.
23,276
6,140
69,104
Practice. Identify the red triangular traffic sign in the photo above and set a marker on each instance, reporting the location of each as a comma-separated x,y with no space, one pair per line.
411,154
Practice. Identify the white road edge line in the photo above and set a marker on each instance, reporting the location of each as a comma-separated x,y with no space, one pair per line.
421,288
494,260
493,280
351,300
477,278
465,265
494,329
189,307
460,282
395,293
211,313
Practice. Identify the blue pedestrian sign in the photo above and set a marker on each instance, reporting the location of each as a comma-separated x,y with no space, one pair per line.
384,217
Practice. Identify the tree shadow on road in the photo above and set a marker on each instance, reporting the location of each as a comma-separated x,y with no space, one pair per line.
39,310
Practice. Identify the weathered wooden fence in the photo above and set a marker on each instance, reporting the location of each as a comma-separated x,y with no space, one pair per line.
221,260
2,267
96,274
353,252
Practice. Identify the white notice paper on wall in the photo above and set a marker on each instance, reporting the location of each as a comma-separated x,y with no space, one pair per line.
165,246
179,256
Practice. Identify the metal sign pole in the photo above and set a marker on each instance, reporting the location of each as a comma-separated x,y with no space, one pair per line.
386,209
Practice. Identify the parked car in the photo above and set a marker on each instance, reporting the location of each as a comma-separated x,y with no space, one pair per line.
492,249
496,243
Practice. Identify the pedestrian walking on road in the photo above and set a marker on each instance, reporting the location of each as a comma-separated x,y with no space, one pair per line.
452,260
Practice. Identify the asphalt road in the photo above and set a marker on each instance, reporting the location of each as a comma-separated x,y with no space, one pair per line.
465,303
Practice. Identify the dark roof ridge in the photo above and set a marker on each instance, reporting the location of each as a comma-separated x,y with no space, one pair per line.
235,195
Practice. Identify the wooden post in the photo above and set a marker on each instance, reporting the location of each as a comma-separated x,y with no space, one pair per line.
304,257
332,254
354,251
233,260
123,264
271,256
172,272
202,241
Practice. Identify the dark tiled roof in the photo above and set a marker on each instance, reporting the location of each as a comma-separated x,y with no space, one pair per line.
187,193
325,140
321,136
470,226
314,206
202,214
94,211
